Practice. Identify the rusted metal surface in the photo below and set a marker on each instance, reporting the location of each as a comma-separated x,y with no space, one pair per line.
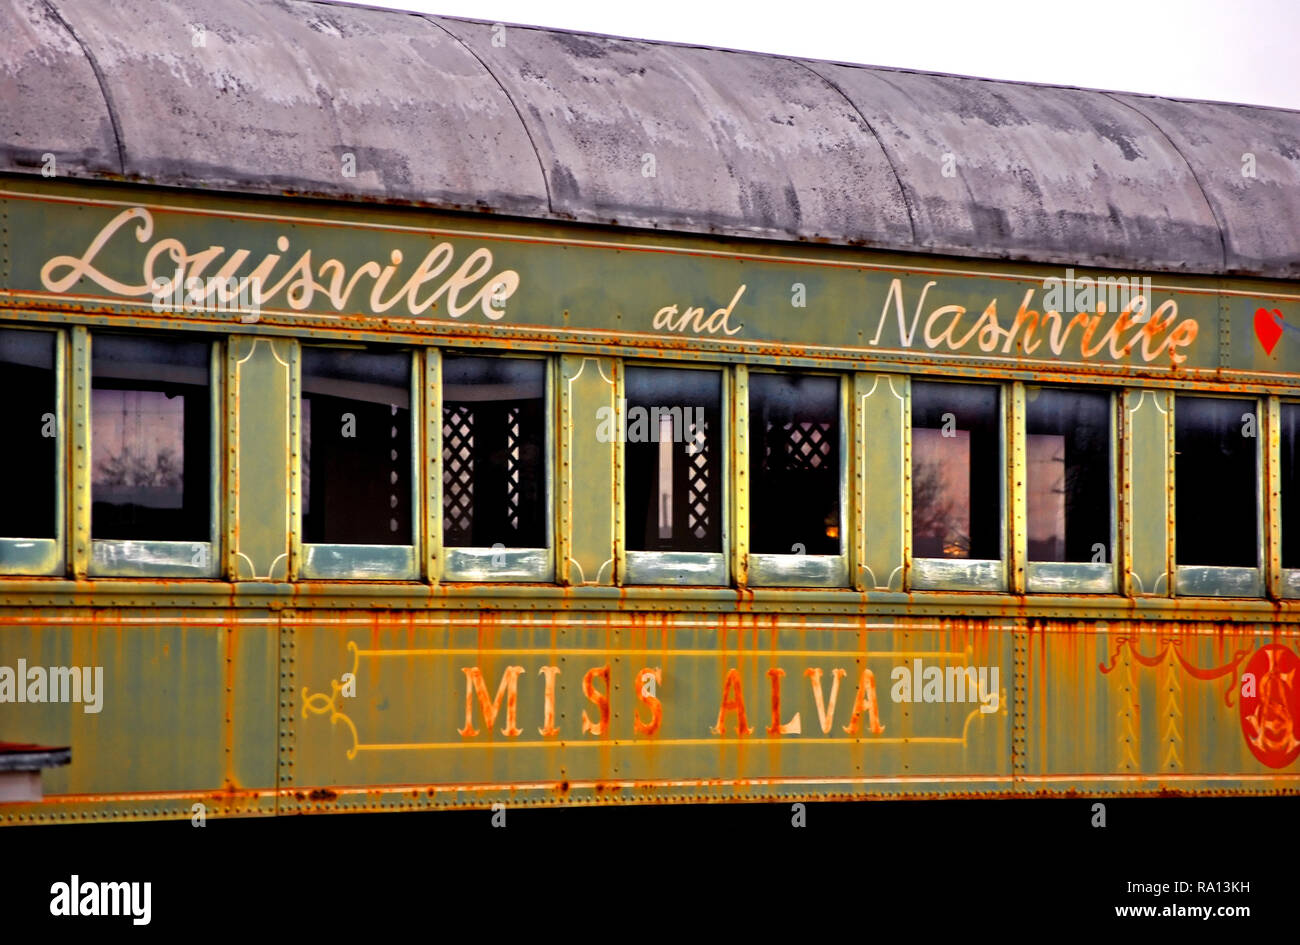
257,691
452,113
386,712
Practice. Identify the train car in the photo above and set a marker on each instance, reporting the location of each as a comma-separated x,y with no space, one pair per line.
408,412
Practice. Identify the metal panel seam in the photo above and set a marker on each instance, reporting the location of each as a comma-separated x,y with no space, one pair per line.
1223,243
541,169
99,78
902,191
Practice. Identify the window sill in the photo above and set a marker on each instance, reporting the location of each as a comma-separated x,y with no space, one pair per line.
957,574
360,562
798,570
498,565
34,556
1070,577
183,559
676,568
1197,581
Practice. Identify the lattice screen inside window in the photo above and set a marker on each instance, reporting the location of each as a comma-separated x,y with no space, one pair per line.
457,474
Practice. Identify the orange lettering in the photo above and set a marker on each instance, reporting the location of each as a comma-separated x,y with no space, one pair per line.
733,700
865,702
794,726
600,700
825,714
656,708
474,685
548,701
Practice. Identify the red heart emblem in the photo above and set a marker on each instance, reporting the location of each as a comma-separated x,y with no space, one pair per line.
1268,328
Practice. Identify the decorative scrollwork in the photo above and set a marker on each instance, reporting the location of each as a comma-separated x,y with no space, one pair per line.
1176,644
319,703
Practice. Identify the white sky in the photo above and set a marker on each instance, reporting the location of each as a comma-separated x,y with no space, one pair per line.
1227,50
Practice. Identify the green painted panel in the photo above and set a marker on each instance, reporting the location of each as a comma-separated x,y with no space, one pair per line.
587,469
1147,487
251,708
881,400
1133,707
406,722
160,719
259,492
411,270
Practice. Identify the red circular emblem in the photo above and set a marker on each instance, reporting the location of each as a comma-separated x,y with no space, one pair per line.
1270,712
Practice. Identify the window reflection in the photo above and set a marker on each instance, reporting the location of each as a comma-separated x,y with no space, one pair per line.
673,448
956,471
794,464
493,452
1215,477
1068,487
356,447
150,449
29,430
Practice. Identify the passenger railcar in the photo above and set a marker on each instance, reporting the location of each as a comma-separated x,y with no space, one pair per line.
406,412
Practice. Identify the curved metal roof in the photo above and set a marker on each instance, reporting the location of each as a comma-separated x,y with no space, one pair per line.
271,96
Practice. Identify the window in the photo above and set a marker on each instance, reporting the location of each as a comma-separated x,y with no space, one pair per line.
1217,508
495,516
1068,490
31,514
674,469
152,487
1290,487
958,533
796,480
357,464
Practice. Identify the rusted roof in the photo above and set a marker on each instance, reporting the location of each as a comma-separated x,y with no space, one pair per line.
272,96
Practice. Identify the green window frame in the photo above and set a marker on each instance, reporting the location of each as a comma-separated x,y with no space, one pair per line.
964,574
493,565
124,558
1078,577
790,570
1220,580
678,568
356,562
43,557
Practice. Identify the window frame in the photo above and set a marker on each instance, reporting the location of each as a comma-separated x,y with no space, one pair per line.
963,574
1288,579
127,558
474,565
794,570
1194,580
677,568
1081,577
327,561
45,557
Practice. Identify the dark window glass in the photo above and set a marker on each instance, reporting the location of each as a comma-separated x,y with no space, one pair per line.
151,462
794,464
493,452
1216,478
1290,485
29,476
956,471
356,447
673,442
1067,453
